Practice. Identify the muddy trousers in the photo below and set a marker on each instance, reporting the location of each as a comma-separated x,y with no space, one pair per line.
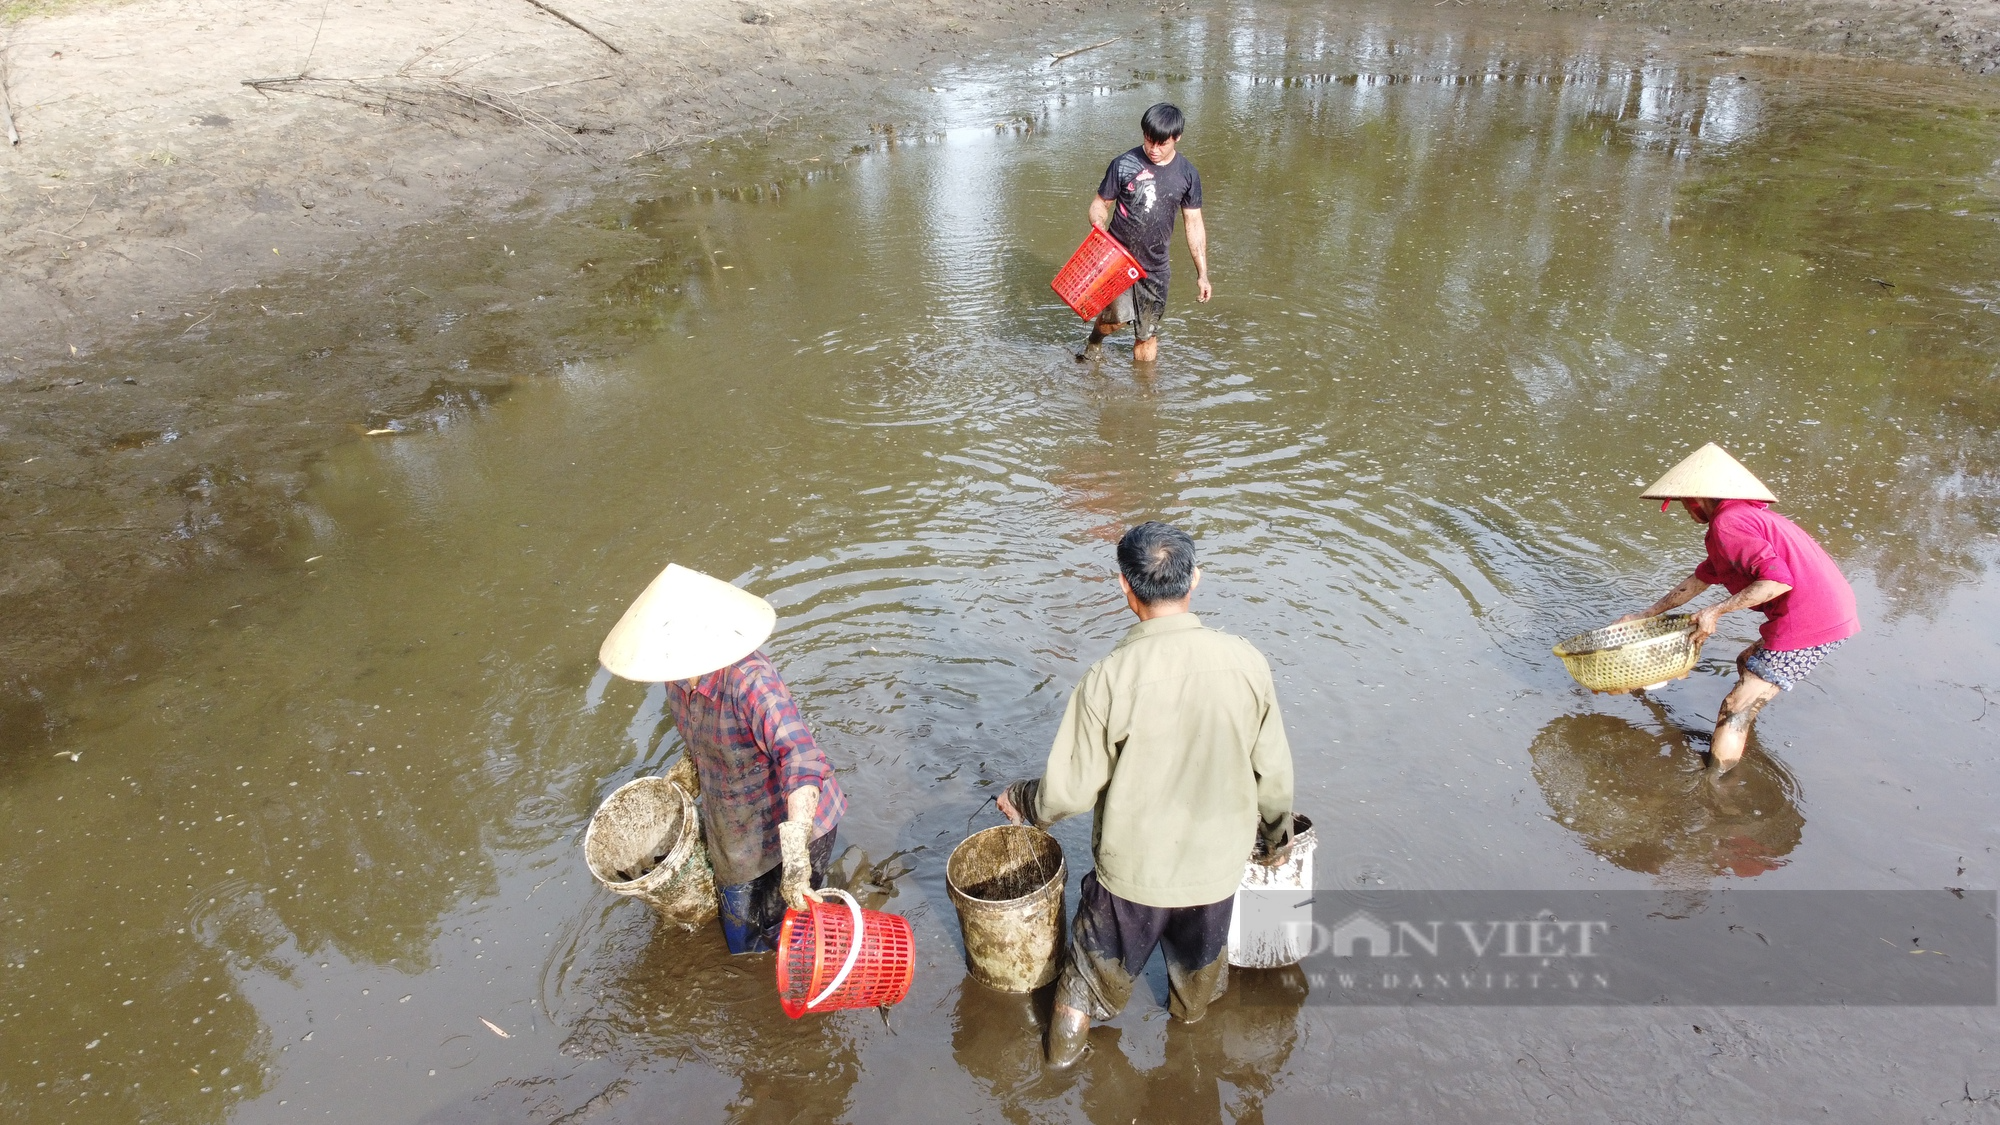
752,911
1112,938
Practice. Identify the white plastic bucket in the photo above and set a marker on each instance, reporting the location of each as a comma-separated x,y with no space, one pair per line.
1269,930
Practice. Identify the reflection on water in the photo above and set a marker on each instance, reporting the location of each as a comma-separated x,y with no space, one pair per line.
639,1001
681,997
997,1038
1636,795
1220,1070
1474,289
1121,474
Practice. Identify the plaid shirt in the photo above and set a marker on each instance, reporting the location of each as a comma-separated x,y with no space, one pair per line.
753,751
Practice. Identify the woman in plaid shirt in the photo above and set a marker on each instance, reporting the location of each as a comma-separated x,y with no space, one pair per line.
770,802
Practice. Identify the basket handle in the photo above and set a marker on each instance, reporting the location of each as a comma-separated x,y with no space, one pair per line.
853,949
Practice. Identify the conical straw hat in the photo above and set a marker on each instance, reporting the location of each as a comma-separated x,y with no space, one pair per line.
1712,474
686,624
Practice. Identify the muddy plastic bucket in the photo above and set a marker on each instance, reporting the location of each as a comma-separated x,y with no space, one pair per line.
1007,883
1268,930
645,842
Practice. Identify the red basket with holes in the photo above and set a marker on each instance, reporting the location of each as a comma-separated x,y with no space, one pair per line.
1097,273
822,968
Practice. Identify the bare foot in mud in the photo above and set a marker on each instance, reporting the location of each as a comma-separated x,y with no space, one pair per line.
1091,353
1705,765
1724,793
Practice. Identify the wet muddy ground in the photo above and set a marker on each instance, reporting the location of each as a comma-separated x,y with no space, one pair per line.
314,853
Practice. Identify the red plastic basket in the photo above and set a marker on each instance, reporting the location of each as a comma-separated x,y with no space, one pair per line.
821,970
1097,273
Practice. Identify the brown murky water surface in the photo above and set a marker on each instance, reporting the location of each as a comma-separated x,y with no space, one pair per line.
320,860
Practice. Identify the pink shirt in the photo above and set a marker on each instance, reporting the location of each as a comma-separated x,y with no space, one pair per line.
1748,542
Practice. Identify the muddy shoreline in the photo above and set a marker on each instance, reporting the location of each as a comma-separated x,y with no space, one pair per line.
161,215
163,389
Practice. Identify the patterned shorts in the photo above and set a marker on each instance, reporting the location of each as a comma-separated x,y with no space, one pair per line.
1786,667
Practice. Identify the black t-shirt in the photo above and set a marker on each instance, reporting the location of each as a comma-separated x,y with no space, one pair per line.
1146,197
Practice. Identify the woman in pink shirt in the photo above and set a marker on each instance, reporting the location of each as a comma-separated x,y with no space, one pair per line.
1766,562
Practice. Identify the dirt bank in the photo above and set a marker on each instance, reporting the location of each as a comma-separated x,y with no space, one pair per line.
167,218
193,176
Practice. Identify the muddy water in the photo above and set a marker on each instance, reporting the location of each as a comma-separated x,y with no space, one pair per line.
1474,286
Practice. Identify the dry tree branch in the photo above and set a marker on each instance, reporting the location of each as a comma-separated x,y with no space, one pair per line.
413,92
667,143
7,100
426,52
576,25
1065,54
491,99
321,26
459,68
564,82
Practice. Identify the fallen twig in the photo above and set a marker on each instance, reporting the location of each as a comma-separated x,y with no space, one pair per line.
7,101
410,90
576,25
189,253
321,26
426,52
1065,54
664,145
473,94
64,233
197,324
567,82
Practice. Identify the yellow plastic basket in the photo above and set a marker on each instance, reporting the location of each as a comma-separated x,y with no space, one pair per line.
1636,654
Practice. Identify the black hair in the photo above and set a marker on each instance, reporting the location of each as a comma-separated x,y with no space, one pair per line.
1162,122
1157,560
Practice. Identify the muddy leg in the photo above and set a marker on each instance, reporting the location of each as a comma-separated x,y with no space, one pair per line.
1067,1030
1146,350
1197,972
1732,726
1095,347
1102,968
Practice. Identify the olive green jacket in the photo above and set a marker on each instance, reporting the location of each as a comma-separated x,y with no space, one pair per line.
1175,742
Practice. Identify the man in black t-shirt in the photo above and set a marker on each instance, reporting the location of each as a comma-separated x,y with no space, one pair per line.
1143,190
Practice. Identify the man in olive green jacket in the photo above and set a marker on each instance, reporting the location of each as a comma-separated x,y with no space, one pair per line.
1175,743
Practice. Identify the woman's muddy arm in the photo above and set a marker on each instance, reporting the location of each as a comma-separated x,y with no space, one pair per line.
1755,594
1678,596
802,803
